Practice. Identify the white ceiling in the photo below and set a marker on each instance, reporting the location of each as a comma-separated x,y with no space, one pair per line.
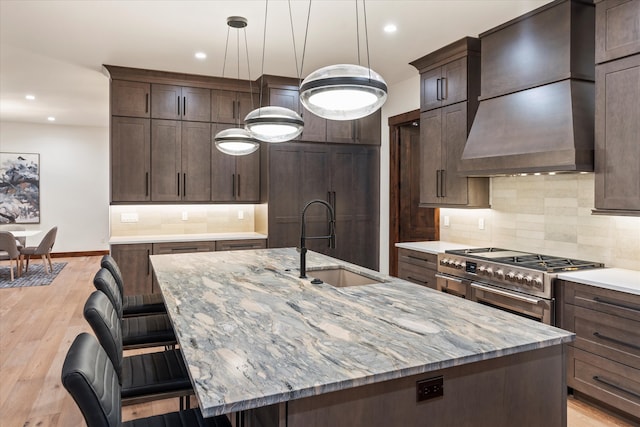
55,49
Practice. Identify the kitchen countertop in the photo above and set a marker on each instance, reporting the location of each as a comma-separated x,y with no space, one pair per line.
254,334
161,238
617,279
432,247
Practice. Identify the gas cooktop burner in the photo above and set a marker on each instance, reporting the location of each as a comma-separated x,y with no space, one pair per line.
548,263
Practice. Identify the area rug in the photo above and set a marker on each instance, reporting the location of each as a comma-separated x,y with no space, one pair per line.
36,276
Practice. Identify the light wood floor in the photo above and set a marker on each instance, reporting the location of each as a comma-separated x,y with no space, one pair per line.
37,326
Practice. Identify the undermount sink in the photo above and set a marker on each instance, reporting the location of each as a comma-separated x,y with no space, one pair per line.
341,277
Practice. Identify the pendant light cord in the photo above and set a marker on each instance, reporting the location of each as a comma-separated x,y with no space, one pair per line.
293,38
246,46
304,47
264,42
226,48
366,36
358,33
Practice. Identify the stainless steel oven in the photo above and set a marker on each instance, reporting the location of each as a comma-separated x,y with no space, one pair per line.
514,281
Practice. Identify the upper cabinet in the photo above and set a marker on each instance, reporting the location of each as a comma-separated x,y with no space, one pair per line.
180,103
230,106
450,85
617,129
617,29
130,159
130,99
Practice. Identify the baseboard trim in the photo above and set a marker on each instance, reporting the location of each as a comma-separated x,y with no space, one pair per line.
78,254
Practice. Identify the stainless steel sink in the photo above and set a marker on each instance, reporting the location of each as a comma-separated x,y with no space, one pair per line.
341,277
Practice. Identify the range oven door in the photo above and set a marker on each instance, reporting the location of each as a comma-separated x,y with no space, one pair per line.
532,307
453,285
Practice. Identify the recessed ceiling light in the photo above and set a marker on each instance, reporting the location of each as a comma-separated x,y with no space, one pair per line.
201,55
51,119
30,97
390,28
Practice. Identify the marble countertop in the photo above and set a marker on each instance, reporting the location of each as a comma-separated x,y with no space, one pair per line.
617,279
254,334
161,238
432,247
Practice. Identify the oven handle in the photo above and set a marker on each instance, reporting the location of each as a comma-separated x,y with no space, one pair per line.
493,290
452,278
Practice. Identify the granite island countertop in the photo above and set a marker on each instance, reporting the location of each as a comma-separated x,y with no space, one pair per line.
254,334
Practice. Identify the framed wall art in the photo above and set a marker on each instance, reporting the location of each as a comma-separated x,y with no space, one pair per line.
19,188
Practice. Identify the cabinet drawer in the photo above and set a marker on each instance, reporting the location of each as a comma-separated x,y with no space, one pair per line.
603,300
183,247
603,334
613,383
235,245
417,258
416,274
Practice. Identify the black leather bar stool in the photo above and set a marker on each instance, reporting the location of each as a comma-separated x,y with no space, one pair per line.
142,377
133,305
137,331
90,378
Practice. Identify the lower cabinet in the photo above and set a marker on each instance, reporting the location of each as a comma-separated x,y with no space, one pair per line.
604,360
135,266
418,267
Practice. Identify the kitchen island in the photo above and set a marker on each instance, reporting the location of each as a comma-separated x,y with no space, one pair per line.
286,352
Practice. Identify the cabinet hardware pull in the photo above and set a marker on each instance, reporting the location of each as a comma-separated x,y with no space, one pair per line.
438,183
178,183
178,106
615,304
443,88
417,280
614,340
443,186
418,258
146,184
233,185
238,185
616,386
184,184
148,262
193,249
438,89
184,105
146,103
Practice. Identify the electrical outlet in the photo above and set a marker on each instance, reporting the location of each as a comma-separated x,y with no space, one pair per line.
185,215
129,217
481,223
429,388
446,220
240,214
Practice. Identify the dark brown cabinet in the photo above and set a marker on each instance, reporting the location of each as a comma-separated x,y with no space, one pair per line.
617,29
133,261
230,106
443,134
444,85
130,159
130,99
418,267
180,103
346,176
603,362
238,245
364,131
234,178
450,85
183,247
180,159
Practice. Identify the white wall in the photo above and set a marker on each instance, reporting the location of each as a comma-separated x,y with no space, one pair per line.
74,181
403,97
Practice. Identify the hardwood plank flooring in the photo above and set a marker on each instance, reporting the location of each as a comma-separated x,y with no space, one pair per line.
37,326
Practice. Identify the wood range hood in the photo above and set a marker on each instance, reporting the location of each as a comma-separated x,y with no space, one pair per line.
536,109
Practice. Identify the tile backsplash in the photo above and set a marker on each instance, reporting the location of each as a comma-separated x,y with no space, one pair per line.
141,220
547,214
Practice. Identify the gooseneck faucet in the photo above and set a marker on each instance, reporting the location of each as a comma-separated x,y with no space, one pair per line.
331,236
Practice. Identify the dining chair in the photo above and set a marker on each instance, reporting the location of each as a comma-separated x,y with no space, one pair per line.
9,251
22,241
137,331
143,377
43,249
92,381
133,305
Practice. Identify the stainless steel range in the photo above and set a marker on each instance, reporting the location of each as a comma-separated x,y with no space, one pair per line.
519,282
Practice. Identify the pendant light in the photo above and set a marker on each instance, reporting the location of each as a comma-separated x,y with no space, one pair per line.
273,124
345,91
236,141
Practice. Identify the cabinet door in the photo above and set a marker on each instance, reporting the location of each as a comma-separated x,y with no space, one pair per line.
223,172
430,89
617,135
196,161
130,159
130,98
315,127
368,129
166,102
245,103
223,106
454,82
341,131
196,104
248,178
617,29
315,184
166,162
454,137
286,98
133,261
431,155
